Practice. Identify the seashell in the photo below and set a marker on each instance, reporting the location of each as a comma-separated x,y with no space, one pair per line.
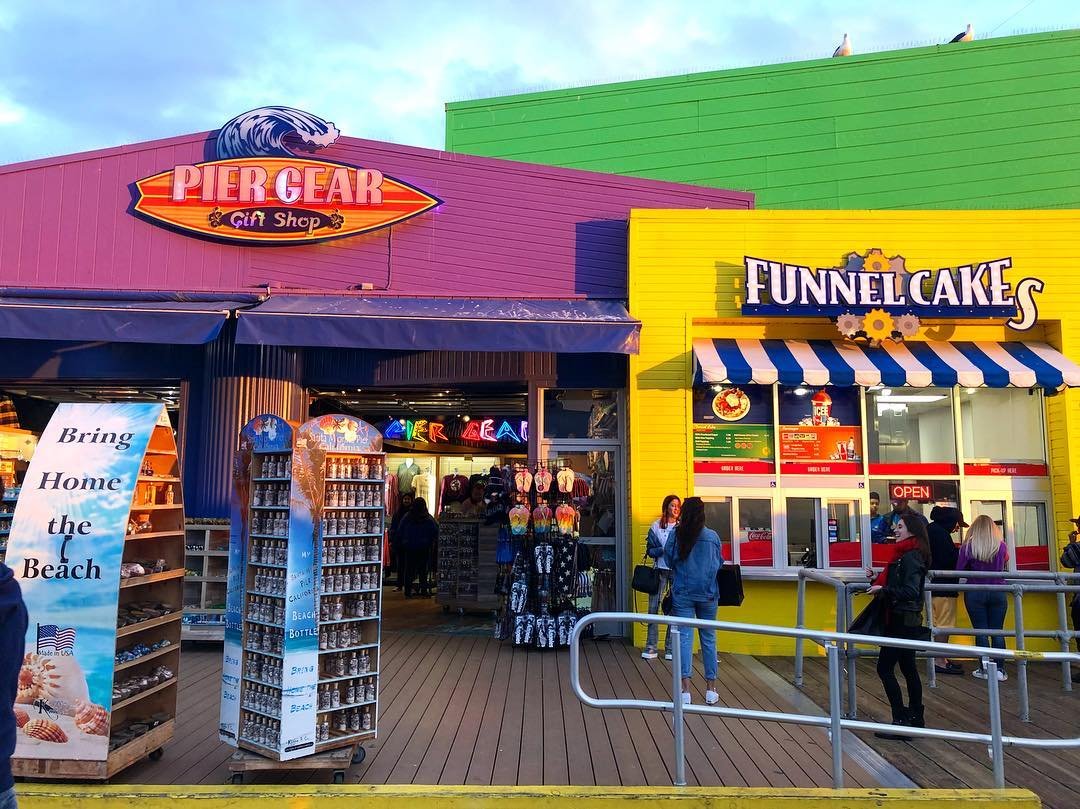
45,730
50,678
92,719
21,717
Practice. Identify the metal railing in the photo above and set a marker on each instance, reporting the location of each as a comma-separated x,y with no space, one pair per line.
1019,584
834,723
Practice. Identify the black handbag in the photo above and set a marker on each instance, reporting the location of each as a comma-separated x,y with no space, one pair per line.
666,603
646,579
871,621
729,582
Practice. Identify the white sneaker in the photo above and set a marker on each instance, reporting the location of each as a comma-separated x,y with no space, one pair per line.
667,655
685,697
711,698
649,654
980,673
1002,676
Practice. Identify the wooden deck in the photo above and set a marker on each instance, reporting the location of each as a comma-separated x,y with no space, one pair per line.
458,707
959,703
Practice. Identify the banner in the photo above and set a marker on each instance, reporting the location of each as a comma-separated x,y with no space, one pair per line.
66,546
820,431
733,422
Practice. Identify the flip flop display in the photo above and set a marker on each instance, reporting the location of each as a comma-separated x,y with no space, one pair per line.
566,480
566,519
541,519
519,520
543,480
523,480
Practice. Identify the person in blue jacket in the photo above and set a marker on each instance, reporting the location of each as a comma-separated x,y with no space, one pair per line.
13,622
693,554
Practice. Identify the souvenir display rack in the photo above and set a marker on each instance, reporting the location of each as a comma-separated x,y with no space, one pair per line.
147,639
206,547
304,608
467,571
538,561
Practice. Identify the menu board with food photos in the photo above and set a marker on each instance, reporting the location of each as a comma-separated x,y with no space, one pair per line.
733,429
820,431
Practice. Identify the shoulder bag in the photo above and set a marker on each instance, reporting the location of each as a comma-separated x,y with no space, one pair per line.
729,582
646,578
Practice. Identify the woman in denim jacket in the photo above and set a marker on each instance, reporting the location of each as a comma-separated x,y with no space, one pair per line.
693,554
654,549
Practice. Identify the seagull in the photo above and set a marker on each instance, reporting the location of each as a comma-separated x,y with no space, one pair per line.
967,36
845,47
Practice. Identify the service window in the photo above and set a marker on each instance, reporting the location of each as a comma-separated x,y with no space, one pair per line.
910,426
755,532
718,518
1003,425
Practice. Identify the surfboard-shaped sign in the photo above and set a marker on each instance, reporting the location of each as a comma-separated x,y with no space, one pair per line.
261,191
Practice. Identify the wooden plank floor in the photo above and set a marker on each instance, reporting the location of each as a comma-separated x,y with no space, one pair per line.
457,707
959,703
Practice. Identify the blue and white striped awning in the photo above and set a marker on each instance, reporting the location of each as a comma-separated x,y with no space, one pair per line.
917,364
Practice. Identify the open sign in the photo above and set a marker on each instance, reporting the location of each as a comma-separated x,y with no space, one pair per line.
910,491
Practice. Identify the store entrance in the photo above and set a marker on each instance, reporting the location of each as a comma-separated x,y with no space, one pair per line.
449,454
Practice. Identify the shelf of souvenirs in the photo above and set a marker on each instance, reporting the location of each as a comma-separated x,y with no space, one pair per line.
144,694
151,578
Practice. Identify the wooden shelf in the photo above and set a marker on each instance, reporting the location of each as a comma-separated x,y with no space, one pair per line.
220,579
155,506
344,741
154,535
153,739
132,629
144,694
136,581
172,647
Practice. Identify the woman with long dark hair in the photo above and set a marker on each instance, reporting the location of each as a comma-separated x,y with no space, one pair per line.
657,538
693,554
901,586
419,533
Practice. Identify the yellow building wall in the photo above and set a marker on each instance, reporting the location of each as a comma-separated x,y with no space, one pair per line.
686,277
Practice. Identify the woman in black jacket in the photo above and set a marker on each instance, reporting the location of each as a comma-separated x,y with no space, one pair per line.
419,534
902,592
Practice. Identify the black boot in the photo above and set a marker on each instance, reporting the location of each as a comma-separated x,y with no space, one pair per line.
901,719
915,715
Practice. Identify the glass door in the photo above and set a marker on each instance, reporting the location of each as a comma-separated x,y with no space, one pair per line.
802,521
996,510
745,527
843,533
1031,536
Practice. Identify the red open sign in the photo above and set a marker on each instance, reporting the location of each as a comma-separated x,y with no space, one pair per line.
910,491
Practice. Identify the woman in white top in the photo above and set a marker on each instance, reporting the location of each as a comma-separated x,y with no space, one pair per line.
654,548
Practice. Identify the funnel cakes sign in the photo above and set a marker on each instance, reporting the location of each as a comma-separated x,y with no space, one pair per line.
261,190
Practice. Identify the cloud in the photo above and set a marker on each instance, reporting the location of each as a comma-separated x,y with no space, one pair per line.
81,76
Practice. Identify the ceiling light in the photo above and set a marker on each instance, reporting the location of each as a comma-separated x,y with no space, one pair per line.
801,391
464,418
916,398
886,392
970,391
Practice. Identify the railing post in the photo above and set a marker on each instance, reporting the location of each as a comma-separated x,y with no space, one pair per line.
1063,625
1021,664
997,750
836,729
678,727
931,662
800,616
851,656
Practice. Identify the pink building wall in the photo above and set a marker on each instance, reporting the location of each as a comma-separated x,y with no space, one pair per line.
505,229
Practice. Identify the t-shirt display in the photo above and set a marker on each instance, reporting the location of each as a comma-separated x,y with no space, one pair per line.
406,472
455,489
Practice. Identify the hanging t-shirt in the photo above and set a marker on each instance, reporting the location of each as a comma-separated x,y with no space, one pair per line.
455,489
405,475
424,487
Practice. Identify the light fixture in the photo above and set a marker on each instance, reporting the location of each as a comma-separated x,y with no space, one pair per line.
801,391
464,418
970,391
885,391
915,398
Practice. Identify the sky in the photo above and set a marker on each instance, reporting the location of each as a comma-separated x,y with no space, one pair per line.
80,76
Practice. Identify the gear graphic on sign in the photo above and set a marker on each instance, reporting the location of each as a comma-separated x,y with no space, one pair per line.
875,260
907,324
849,324
878,325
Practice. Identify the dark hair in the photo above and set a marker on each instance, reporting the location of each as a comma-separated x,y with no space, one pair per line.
410,495
917,528
419,508
691,523
875,496
663,509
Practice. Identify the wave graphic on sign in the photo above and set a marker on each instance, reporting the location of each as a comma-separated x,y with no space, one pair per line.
262,132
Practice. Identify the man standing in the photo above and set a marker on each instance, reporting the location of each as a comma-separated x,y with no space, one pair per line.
13,621
1070,558
944,521
879,529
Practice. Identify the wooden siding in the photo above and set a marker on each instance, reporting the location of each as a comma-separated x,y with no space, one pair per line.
986,124
504,229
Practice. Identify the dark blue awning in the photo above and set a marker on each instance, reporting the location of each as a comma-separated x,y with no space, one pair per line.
449,324
140,318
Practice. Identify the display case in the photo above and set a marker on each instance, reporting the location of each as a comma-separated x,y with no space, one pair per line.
301,654
206,546
97,547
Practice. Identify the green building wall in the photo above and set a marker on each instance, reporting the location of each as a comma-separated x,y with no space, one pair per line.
984,124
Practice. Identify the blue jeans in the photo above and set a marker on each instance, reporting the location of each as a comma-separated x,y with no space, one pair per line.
705,610
7,799
987,611
652,633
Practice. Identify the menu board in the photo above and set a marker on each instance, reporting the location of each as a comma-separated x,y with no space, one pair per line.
820,431
733,429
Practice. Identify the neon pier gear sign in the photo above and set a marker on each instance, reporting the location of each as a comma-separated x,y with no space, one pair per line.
875,284
488,431
260,190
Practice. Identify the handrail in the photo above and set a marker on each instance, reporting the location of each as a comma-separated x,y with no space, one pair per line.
835,722
1018,584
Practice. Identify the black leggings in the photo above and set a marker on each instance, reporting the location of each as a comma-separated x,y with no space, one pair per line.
886,665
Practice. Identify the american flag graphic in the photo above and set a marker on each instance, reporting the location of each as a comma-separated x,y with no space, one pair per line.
52,638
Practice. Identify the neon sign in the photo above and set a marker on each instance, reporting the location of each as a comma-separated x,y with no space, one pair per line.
490,431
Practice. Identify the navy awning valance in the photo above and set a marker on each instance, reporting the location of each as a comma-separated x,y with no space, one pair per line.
449,324
916,364
173,318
